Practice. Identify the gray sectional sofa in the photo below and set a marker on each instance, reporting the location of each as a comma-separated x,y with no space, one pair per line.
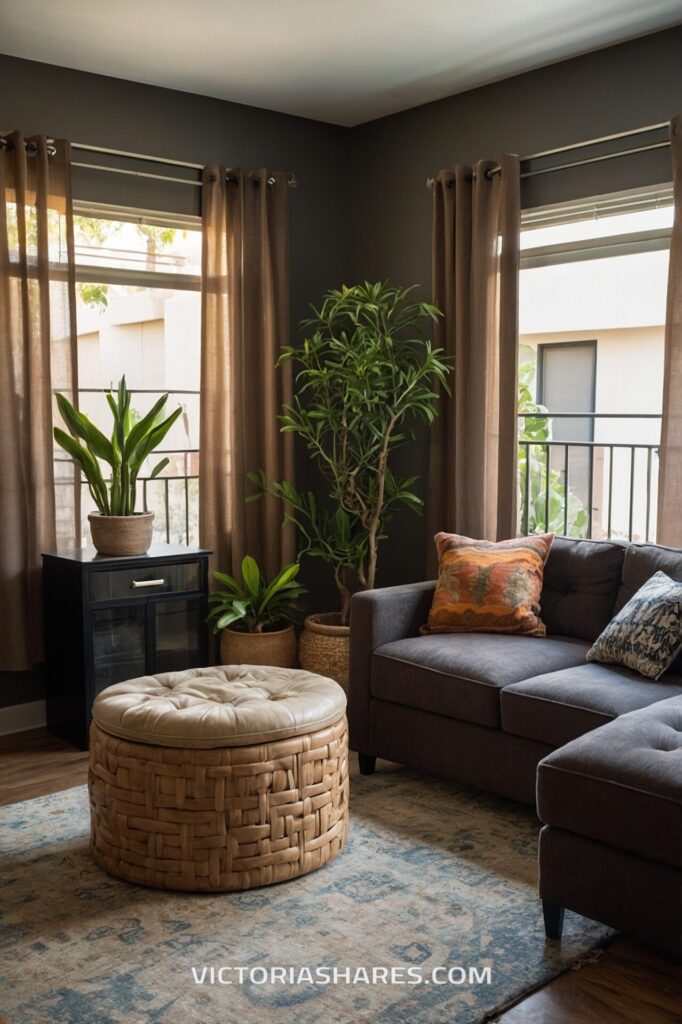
489,709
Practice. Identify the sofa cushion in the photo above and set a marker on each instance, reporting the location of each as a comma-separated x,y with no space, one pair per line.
581,582
640,563
558,706
460,675
646,634
621,785
488,587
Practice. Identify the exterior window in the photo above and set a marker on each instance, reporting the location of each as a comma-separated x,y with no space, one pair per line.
592,317
139,314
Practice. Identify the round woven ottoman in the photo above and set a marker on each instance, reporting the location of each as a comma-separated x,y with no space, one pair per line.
218,779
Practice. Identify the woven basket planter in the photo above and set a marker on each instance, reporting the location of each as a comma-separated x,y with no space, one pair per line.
279,648
222,819
122,535
324,647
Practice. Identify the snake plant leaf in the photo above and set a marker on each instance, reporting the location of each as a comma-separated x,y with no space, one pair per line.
158,468
152,440
142,428
80,426
88,464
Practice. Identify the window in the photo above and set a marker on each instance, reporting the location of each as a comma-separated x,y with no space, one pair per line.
592,315
139,314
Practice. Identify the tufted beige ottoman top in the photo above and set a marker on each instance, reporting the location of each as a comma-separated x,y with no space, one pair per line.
225,706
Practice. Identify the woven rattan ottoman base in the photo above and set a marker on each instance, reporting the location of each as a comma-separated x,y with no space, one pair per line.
217,820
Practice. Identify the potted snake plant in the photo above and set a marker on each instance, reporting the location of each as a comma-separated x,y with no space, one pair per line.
116,528
254,617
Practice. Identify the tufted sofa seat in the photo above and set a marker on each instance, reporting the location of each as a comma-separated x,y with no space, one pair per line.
611,845
621,785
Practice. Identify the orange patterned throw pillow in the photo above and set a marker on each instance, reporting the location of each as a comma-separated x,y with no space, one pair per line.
485,587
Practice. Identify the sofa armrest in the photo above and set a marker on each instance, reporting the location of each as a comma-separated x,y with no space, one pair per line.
378,617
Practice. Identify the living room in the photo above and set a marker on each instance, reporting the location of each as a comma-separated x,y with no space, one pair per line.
288,291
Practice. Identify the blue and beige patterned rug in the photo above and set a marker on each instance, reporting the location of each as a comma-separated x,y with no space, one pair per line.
435,875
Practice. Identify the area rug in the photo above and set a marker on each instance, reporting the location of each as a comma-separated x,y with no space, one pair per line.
430,914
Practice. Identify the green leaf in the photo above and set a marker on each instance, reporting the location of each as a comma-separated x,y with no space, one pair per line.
227,580
80,426
158,468
251,574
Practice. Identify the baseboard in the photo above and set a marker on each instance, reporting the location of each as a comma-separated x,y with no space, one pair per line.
20,717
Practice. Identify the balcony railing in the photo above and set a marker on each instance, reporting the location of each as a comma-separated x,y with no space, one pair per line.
601,488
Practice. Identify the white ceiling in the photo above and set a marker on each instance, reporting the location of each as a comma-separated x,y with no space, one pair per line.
343,61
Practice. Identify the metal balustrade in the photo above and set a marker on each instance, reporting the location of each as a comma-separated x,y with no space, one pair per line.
600,489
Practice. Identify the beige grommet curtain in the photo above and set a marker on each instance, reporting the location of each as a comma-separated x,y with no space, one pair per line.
245,322
476,224
37,356
669,529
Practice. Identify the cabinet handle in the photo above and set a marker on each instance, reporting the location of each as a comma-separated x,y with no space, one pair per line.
147,583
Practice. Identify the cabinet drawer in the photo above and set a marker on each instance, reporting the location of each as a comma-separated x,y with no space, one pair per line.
145,580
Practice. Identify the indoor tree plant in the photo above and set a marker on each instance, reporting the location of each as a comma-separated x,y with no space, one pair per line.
254,617
365,374
117,529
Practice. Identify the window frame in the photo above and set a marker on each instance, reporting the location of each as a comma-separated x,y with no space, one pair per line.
96,274
606,246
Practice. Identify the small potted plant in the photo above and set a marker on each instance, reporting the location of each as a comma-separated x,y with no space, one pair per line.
116,528
254,617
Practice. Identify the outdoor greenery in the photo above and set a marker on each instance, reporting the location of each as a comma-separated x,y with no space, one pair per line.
134,438
534,461
92,231
254,605
365,375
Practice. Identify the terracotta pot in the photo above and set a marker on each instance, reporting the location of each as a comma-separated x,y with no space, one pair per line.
121,535
324,647
278,648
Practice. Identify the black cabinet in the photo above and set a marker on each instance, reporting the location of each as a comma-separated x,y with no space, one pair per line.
110,619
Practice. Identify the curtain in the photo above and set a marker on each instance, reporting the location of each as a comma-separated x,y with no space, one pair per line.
37,356
245,322
472,477
669,530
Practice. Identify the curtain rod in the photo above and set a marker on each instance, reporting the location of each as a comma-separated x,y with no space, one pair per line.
582,145
128,155
32,149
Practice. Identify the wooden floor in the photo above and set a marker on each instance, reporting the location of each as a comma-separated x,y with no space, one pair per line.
35,763
626,985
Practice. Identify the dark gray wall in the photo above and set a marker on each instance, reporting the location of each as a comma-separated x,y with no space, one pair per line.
628,86
138,118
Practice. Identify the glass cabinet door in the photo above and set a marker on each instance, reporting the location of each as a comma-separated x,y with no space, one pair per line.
180,631
118,644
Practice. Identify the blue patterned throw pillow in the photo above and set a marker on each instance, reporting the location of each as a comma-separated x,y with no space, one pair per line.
646,634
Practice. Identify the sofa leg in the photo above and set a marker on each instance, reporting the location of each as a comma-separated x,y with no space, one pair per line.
367,764
553,914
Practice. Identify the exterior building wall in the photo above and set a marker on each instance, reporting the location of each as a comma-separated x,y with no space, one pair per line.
629,380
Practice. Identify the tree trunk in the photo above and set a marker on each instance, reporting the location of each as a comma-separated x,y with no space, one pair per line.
345,595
